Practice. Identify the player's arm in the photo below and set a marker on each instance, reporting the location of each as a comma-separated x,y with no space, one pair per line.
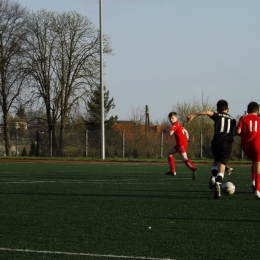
239,126
201,113
168,131
186,133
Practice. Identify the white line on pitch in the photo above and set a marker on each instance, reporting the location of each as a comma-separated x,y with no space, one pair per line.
80,254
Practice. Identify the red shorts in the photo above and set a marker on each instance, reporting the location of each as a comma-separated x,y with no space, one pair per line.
252,151
180,148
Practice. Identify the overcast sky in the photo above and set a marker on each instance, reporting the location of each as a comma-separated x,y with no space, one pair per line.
170,51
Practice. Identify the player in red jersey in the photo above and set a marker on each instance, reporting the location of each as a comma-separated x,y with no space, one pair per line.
182,138
249,129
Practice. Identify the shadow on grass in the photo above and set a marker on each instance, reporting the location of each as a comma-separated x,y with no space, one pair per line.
177,195
207,219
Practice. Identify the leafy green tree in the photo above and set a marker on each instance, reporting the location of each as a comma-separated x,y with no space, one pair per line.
94,108
24,152
33,150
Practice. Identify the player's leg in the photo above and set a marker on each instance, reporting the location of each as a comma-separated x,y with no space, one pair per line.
257,178
189,164
217,151
253,175
187,161
251,152
223,156
257,167
214,173
171,162
228,170
221,172
218,181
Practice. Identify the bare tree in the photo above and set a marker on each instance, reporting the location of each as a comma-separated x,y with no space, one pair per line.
39,59
12,38
184,109
137,115
63,57
77,61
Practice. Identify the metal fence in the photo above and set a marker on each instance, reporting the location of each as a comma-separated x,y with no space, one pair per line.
118,144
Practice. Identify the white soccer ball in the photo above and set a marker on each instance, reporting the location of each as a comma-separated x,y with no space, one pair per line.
228,188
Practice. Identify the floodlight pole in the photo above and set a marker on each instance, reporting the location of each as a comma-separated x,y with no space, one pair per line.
102,119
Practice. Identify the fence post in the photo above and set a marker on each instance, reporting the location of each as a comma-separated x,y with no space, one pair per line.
51,143
161,144
38,143
16,141
86,143
123,144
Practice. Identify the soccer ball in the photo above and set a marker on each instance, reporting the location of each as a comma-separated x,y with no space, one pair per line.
228,188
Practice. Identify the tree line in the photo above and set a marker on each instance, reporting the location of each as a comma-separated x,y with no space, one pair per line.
49,62
49,77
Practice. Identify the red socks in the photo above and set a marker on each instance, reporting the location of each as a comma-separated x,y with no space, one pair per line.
190,165
171,163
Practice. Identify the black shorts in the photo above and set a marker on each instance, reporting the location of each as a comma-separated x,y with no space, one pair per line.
221,151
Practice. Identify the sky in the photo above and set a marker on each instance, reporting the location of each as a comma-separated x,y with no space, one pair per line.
174,51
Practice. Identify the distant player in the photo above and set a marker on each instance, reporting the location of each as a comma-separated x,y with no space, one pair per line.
249,129
221,144
182,138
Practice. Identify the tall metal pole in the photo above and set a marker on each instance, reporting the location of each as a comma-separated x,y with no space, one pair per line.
102,119
201,143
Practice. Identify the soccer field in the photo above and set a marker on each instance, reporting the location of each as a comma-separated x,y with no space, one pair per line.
123,211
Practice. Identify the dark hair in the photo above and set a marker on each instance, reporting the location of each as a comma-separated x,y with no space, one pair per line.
252,107
222,105
172,114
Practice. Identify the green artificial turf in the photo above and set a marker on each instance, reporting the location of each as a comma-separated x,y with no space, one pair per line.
119,211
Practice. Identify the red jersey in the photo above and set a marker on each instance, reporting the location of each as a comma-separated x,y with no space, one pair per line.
250,135
180,137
